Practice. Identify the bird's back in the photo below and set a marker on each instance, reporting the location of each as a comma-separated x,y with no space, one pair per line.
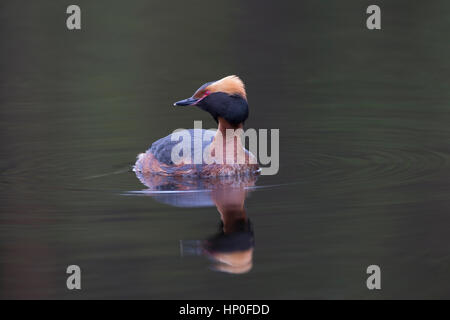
158,158
162,148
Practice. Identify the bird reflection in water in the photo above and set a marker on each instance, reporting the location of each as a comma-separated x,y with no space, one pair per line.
231,248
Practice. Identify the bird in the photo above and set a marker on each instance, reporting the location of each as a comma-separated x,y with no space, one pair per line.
220,153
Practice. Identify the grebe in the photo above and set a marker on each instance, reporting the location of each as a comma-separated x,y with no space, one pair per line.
226,101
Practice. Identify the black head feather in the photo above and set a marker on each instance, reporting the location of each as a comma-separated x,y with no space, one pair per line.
233,108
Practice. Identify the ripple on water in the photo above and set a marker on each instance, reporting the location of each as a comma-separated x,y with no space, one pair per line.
385,167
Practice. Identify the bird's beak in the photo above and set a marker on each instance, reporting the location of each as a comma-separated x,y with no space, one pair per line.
186,102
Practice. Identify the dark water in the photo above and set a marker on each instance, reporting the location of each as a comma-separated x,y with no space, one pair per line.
364,147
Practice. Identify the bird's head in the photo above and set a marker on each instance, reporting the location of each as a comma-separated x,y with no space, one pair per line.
225,98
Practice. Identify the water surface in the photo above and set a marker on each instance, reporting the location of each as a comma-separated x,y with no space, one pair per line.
364,147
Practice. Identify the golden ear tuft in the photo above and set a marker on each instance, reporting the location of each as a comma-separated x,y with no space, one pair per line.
231,85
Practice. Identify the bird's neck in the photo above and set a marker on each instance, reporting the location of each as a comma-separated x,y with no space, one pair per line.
229,137
224,125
